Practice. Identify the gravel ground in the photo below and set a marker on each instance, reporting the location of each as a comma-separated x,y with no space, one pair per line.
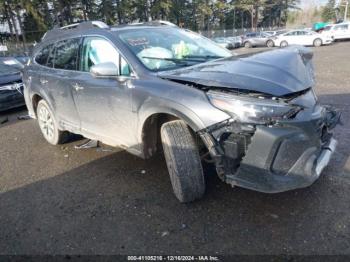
58,200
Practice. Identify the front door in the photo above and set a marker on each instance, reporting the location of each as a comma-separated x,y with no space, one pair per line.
104,104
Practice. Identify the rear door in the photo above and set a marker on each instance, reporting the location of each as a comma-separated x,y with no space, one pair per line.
291,37
305,38
261,39
104,104
346,31
341,31
56,78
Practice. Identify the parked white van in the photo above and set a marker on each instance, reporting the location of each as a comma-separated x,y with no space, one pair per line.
338,31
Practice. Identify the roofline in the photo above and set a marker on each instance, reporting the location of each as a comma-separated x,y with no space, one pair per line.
79,27
57,32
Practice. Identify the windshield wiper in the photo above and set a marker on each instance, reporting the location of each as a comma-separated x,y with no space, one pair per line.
184,60
206,57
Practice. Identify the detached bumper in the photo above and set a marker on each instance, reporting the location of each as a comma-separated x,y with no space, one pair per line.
277,158
283,168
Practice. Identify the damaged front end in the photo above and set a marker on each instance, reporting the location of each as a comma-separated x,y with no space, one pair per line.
271,144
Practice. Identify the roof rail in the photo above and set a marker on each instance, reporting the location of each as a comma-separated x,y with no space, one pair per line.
155,22
77,26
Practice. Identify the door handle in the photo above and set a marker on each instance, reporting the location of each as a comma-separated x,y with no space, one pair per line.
43,81
78,87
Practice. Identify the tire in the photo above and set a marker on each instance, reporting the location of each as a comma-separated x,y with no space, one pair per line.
317,42
284,44
183,161
270,43
48,125
248,45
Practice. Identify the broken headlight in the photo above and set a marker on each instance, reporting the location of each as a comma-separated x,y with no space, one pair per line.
251,109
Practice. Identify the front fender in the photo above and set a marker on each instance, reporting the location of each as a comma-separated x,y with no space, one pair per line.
155,106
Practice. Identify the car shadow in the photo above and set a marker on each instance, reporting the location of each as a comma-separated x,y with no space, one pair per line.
10,117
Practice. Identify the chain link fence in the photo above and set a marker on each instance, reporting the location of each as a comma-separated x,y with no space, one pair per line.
11,46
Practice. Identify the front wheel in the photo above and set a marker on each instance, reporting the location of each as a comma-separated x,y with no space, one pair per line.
248,45
317,42
183,161
284,44
270,43
48,125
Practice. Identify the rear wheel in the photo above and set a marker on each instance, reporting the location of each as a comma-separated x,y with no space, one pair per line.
183,161
284,44
48,125
270,43
317,42
248,44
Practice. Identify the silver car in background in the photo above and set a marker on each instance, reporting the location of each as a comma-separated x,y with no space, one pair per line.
257,39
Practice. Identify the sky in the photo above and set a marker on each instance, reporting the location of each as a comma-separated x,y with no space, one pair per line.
305,3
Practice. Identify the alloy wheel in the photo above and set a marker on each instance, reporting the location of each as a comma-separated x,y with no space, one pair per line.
46,123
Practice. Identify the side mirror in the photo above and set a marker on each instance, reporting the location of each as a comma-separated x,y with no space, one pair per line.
107,69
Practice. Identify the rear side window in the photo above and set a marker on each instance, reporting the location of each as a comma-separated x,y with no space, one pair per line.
341,27
66,54
42,56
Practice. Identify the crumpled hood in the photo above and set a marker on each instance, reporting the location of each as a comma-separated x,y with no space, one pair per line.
279,72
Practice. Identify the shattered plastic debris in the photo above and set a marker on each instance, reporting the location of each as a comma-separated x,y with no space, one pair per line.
165,233
274,216
101,149
23,117
88,144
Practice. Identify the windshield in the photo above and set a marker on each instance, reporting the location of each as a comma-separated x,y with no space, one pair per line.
7,70
168,48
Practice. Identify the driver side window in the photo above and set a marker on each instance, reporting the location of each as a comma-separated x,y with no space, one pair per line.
96,50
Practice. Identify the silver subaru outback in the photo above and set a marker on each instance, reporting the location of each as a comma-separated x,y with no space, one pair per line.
153,87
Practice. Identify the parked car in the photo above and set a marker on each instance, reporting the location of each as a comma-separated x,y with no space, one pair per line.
11,87
224,42
302,37
270,33
337,31
147,87
235,40
280,32
257,39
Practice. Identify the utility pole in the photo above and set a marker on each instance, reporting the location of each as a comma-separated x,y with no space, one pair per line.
252,13
234,21
346,10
